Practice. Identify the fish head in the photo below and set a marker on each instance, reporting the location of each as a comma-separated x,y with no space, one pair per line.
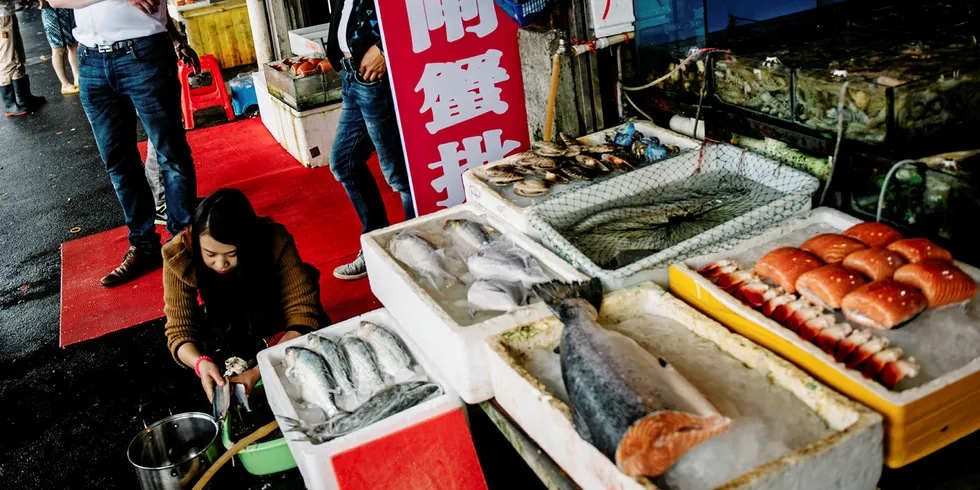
292,356
656,441
365,329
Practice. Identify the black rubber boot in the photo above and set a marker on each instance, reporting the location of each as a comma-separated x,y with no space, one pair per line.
10,105
22,88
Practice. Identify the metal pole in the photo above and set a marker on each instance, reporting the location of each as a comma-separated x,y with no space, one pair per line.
260,31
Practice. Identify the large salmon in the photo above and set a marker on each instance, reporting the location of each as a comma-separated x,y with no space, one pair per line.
631,405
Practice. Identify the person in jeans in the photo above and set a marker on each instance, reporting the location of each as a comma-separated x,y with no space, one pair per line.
58,24
367,121
15,86
128,69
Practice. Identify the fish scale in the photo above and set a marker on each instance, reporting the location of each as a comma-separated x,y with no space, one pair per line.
336,361
309,372
392,355
365,372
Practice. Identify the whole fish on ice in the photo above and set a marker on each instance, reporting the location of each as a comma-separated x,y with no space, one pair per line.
336,360
468,234
309,372
494,295
631,405
386,403
417,253
365,372
391,353
514,265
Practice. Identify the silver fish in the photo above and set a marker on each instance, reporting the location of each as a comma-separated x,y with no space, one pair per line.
632,406
392,354
221,400
417,253
509,265
468,234
495,295
308,371
241,397
365,373
336,360
384,404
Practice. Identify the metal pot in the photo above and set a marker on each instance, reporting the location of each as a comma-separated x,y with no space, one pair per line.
174,452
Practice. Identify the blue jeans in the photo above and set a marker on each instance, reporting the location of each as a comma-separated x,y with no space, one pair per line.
116,88
367,122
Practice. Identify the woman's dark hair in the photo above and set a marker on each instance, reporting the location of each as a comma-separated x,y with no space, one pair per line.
248,297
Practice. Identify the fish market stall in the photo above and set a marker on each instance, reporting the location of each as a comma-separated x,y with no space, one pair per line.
454,277
502,187
890,322
350,384
785,429
627,229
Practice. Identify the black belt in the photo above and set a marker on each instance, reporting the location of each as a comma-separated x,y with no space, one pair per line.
116,46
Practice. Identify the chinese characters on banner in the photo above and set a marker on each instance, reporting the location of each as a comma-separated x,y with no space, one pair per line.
455,70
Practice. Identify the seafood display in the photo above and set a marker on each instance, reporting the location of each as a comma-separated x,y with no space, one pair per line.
303,66
784,266
632,406
827,285
355,380
763,86
536,172
873,234
919,249
883,304
814,323
831,248
472,271
303,83
942,283
875,263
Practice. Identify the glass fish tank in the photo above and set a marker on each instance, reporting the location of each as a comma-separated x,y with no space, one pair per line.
929,197
302,93
764,86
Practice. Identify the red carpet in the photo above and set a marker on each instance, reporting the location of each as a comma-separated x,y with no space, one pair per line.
309,202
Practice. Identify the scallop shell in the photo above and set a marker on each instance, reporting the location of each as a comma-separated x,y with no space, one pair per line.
542,163
531,188
578,173
598,149
568,140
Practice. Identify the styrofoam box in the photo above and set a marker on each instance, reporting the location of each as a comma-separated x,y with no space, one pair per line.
490,197
848,458
266,110
798,188
921,419
611,17
307,136
315,460
309,41
456,349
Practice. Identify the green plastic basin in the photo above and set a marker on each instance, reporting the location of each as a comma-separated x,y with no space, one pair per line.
261,458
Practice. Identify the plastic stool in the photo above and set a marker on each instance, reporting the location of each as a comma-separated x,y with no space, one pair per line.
242,93
192,100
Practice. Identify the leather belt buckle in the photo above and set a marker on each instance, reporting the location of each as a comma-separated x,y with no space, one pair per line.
103,49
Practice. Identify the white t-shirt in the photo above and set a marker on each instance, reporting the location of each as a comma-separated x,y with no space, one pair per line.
342,27
110,21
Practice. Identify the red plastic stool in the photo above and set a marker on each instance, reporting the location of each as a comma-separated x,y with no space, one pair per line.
192,100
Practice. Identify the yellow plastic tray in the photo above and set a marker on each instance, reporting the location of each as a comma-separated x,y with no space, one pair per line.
918,421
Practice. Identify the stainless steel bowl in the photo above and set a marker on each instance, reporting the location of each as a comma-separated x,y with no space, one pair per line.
171,454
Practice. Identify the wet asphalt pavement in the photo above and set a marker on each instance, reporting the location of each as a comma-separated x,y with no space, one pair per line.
69,414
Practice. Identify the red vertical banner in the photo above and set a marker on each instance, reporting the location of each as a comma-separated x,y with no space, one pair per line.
455,70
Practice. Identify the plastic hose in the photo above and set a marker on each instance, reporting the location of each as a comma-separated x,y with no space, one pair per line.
231,452
549,115
884,185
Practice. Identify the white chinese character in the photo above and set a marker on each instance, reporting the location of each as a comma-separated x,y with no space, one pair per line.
429,15
455,162
460,91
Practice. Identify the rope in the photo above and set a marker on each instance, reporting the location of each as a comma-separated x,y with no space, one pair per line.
628,99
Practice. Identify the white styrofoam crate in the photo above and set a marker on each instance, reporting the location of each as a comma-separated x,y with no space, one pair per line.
309,41
267,111
315,461
565,209
490,197
308,136
850,457
611,17
456,349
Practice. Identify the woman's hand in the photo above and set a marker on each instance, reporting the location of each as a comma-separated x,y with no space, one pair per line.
210,374
249,378
373,64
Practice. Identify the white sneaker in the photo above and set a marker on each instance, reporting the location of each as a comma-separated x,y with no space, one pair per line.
352,271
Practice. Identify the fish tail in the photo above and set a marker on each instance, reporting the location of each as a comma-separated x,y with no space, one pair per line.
556,293
295,425
658,440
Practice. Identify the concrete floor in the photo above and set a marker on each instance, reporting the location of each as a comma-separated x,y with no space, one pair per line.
69,414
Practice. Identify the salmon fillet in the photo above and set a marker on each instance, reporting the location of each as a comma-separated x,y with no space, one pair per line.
875,263
919,249
832,248
784,266
883,304
873,234
942,283
827,285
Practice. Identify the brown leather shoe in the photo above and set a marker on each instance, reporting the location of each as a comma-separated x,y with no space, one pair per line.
134,264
